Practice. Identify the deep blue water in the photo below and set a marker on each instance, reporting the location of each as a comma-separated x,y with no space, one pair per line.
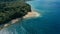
49,23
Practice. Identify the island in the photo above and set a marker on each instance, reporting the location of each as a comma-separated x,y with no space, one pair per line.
12,12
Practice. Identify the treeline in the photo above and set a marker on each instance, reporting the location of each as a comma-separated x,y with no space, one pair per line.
9,11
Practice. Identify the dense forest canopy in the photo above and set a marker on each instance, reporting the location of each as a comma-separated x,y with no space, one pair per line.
9,11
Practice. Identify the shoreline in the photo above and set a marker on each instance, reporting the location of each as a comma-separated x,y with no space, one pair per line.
29,15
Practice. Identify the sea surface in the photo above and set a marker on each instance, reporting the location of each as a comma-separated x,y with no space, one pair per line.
47,23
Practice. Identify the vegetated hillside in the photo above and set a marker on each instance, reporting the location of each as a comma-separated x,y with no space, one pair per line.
9,11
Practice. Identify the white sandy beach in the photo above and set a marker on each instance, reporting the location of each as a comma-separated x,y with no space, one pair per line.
29,15
32,14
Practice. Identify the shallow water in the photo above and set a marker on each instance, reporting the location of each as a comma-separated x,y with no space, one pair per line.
49,23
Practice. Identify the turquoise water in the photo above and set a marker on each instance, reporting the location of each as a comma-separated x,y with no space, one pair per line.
49,23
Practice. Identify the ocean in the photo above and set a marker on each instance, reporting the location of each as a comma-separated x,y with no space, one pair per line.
48,23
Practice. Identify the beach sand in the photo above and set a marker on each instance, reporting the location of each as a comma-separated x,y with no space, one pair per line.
32,14
29,15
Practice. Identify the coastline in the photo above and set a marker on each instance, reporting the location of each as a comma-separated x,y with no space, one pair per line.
31,14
